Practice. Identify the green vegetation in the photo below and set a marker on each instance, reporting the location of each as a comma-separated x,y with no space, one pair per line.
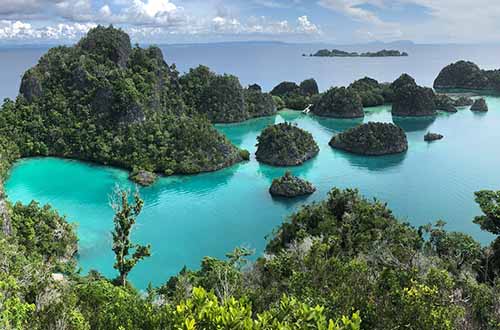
221,97
339,102
345,263
464,75
341,53
293,96
125,217
106,102
372,92
291,186
372,139
411,100
285,145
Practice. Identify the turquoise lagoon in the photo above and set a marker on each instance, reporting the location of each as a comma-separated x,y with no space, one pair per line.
189,217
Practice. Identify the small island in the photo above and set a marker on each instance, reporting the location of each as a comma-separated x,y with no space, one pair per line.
372,139
143,178
291,186
339,103
467,76
429,137
479,105
411,100
285,145
341,53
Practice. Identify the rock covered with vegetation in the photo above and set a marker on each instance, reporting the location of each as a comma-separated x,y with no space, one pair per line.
285,145
429,137
465,75
463,101
291,186
104,101
339,102
143,178
372,92
296,97
445,103
411,100
479,105
222,98
341,53
372,139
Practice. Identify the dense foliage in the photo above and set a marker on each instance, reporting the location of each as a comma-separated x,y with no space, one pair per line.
411,100
296,97
372,139
339,102
291,186
221,97
464,75
107,102
372,92
342,53
285,145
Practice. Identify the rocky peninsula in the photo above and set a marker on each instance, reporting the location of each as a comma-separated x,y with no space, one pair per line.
372,139
291,186
411,100
285,145
339,102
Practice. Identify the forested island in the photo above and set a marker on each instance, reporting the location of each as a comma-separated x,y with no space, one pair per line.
341,53
467,76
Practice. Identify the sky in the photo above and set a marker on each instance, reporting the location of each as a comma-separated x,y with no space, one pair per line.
193,21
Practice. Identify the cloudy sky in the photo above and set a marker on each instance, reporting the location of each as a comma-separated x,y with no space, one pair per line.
174,21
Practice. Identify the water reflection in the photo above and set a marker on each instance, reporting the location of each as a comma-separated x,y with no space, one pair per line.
414,124
334,125
374,163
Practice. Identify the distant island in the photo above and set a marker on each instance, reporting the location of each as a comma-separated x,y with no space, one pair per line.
341,53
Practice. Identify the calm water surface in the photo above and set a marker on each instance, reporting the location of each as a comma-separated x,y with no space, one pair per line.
189,217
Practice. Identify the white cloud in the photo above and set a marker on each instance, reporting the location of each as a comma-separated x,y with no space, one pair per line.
306,26
17,30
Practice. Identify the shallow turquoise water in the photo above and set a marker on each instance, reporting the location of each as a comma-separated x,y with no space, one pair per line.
189,217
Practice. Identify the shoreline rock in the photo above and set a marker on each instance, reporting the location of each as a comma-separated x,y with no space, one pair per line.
291,186
429,137
372,139
463,101
445,103
479,105
143,178
285,145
